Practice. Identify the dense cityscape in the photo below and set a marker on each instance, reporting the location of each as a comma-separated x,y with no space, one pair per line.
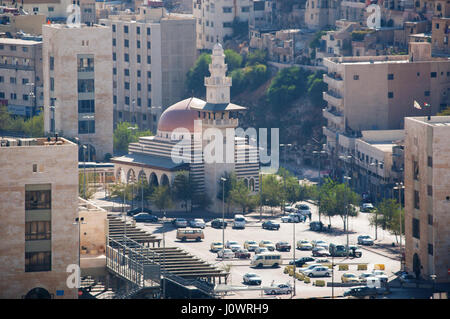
224,149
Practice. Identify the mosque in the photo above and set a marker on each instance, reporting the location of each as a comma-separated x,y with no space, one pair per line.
192,136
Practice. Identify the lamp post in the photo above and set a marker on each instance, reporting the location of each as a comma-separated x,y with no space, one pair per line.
347,178
293,256
79,221
223,179
285,162
319,154
164,256
399,187
84,170
376,164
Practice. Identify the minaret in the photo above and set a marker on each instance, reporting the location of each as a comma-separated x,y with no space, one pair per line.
218,84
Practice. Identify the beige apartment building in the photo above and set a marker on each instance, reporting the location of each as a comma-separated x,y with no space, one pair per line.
38,209
21,81
321,13
427,197
376,93
78,87
152,53
215,19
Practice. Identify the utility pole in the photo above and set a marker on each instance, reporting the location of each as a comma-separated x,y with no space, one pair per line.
223,179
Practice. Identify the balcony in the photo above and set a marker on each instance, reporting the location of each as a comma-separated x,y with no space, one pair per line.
218,81
334,81
221,122
329,133
333,116
333,99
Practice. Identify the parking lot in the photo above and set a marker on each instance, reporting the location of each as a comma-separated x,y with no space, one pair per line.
253,231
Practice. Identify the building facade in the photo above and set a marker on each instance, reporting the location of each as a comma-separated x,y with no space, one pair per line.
21,76
427,196
215,19
152,52
78,87
38,208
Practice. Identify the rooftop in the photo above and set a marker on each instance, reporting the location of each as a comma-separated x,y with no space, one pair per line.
18,41
434,121
147,160
6,141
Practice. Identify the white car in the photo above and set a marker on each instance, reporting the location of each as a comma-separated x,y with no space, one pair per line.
260,250
276,289
233,245
363,277
251,279
291,218
365,240
289,209
304,245
367,207
317,272
197,223
309,267
225,253
320,243
251,245
267,244
378,273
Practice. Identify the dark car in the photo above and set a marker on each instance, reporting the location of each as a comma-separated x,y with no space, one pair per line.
320,252
316,226
145,217
138,210
218,223
301,261
283,246
361,291
270,225
242,253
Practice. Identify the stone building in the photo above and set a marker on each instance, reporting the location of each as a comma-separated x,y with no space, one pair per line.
78,86
183,142
21,77
427,196
38,208
152,52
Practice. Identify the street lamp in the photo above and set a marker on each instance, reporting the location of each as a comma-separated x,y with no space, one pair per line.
164,256
78,221
223,179
319,154
285,162
376,164
399,187
347,179
84,147
293,256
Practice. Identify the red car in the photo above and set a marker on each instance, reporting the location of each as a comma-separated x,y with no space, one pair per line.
283,246
242,253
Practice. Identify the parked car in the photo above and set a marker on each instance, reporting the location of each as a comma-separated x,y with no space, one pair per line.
251,245
367,207
239,221
283,246
289,209
378,273
309,267
348,277
317,272
320,252
216,246
320,243
233,245
278,289
304,245
242,253
360,291
267,244
301,261
407,278
138,210
145,218
261,250
252,279
355,251
341,251
316,226
218,223
365,240
197,223
303,207
363,277
270,225
291,218
180,222
225,253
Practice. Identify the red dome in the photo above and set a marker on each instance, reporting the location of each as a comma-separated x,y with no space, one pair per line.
180,115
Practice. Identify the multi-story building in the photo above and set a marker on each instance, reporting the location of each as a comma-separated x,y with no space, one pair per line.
78,86
321,13
13,22
152,52
38,209
215,19
55,10
427,196
21,82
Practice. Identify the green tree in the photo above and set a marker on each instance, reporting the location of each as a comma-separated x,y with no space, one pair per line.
232,59
195,77
256,75
240,195
34,126
224,189
126,133
316,87
184,188
445,112
256,57
162,197
387,216
271,189
85,191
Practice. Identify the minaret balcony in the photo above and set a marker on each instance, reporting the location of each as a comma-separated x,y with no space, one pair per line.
213,81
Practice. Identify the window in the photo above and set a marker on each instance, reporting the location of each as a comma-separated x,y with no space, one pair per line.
125,28
149,102
127,85
25,81
40,199
427,93
34,168
38,230
138,44
114,56
2,79
415,228
86,64
126,57
38,261
416,170
114,42
144,117
390,95
429,190
24,49
86,86
138,30
245,9
430,249
149,46
126,72
126,43
148,31
149,74
13,96
113,28
12,80
138,73
149,59
390,76
356,77
430,161
416,200
114,71
127,100
138,58
139,101
226,25
227,9
25,97
430,219
86,106
437,25
115,99
12,47
52,84
139,86
51,9
86,127
433,74
149,87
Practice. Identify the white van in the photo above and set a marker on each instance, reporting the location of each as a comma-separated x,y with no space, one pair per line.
271,259
239,221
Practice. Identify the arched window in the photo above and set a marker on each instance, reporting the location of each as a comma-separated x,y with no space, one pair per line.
252,185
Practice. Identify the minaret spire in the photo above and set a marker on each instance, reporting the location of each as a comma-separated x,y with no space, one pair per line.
218,84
